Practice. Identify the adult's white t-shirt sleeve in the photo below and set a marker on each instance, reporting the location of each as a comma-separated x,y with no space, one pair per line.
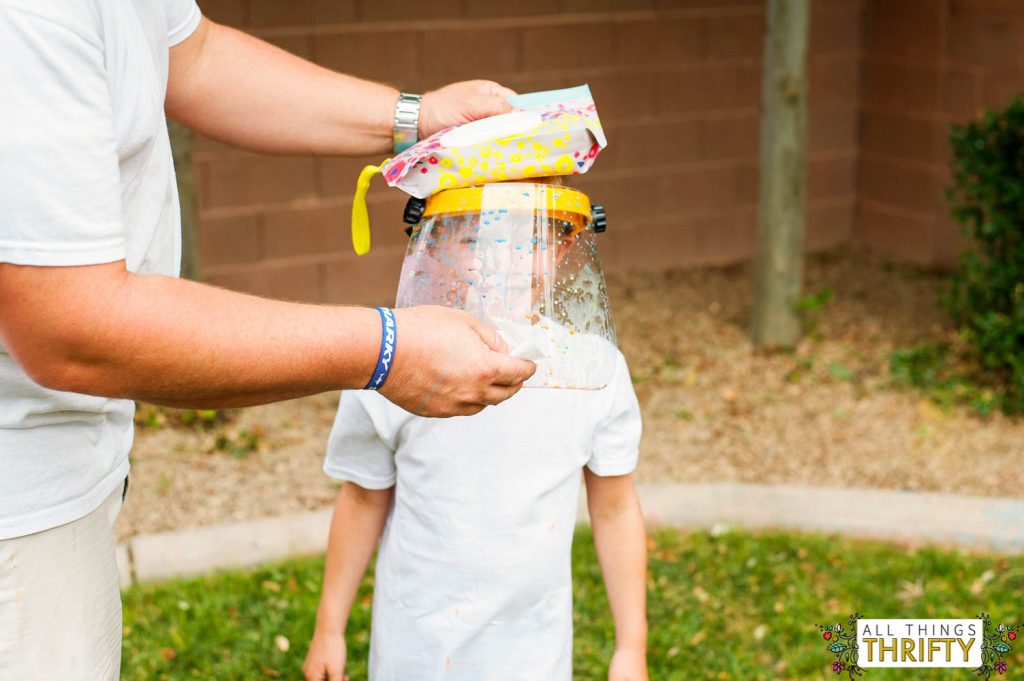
182,19
616,443
361,447
60,195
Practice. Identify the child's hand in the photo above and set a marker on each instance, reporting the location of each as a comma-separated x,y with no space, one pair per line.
325,660
628,665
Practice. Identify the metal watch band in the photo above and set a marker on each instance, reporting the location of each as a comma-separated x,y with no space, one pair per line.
407,121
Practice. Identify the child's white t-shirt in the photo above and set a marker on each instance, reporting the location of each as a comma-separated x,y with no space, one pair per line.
473,576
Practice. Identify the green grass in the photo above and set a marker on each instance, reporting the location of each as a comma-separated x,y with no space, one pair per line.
735,606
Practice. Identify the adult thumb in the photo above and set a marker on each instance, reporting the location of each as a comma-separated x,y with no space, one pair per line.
492,101
490,336
511,371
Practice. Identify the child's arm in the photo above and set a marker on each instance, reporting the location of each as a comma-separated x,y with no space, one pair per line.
358,520
621,543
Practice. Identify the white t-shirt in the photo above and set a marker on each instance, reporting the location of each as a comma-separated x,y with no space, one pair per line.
473,575
86,177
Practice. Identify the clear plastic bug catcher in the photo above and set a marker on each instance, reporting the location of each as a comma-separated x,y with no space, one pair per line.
520,255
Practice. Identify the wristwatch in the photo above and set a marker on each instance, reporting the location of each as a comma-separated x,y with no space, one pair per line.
407,121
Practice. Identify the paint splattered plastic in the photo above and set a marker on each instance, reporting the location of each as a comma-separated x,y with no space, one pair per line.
522,257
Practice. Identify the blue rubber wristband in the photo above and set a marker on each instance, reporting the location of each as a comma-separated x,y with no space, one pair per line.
388,338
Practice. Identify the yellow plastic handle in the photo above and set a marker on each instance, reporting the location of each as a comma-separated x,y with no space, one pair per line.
360,214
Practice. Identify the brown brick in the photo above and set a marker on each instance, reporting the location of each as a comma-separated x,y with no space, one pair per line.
620,95
230,12
457,53
658,41
908,28
831,128
960,95
1011,7
255,180
537,82
713,87
829,225
266,13
903,136
565,46
626,200
295,282
299,45
657,246
370,279
835,28
726,238
907,188
707,4
990,41
897,236
699,189
605,5
405,10
749,183
831,177
361,54
489,8
646,144
901,85
833,79
337,175
226,241
948,242
307,230
999,86
385,220
734,37
734,137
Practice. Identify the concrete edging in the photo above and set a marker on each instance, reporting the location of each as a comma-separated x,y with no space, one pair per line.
988,523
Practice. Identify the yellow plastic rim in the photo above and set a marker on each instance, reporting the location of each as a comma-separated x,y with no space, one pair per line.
511,196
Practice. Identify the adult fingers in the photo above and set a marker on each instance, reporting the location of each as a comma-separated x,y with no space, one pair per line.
490,336
496,394
490,106
499,90
510,371
493,99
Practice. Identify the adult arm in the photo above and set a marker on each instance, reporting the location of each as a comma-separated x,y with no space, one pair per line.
77,320
621,544
101,330
358,521
248,93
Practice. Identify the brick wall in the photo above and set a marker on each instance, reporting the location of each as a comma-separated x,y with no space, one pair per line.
887,79
927,63
279,225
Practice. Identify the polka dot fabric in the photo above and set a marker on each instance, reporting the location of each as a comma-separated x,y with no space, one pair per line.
562,138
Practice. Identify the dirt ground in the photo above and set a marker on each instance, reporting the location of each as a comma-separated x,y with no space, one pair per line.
714,409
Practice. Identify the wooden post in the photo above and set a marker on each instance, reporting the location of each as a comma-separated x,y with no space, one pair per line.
184,170
780,230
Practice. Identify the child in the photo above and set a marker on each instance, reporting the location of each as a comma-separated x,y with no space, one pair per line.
473,578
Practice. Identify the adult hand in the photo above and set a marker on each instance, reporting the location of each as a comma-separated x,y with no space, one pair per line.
447,363
460,103
325,660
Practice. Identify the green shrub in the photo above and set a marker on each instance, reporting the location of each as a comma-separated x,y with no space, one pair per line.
987,198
